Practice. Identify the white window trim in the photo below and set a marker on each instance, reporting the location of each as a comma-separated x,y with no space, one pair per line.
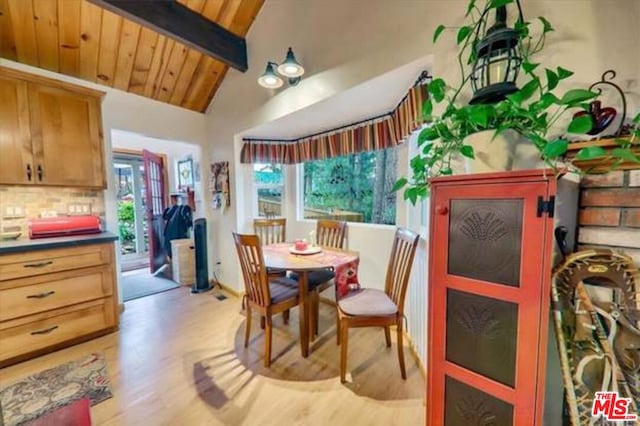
418,215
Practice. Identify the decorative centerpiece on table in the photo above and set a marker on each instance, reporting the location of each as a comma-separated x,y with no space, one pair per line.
516,106
301,245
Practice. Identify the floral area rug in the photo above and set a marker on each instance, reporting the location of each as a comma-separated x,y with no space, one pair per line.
43,392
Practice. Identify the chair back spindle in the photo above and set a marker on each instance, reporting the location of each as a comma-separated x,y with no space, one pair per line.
270,231
253,269
330,233
399,268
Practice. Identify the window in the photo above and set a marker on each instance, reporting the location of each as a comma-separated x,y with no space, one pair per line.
353,188
268,182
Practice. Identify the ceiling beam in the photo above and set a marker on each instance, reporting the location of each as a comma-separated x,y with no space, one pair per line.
182,24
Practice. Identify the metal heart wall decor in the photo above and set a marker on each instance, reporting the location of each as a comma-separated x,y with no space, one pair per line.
600,117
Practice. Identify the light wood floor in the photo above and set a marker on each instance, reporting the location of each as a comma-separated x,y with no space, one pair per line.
179,360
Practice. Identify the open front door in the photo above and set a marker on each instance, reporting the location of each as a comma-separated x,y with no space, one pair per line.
155,203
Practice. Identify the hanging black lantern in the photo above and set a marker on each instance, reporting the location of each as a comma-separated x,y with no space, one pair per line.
498,61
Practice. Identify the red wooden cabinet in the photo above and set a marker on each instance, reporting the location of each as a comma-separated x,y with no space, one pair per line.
489,280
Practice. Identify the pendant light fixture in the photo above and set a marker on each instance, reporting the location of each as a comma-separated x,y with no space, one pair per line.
289,68
270,79
498,60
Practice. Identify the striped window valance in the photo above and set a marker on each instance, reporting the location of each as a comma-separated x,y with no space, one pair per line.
381,132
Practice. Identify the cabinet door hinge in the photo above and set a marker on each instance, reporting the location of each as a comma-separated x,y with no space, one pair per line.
546,206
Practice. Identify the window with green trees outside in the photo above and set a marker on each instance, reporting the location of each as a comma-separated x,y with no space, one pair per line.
269,185
353,188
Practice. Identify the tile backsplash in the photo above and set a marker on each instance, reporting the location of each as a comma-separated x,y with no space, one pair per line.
18,204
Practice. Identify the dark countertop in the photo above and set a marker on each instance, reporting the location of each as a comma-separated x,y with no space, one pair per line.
25,244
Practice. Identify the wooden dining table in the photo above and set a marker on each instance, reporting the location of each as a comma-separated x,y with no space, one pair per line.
344,263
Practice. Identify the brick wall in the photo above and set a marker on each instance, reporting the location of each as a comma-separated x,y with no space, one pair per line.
32,200
610,212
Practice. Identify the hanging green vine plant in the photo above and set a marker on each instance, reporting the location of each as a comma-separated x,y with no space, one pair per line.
531,111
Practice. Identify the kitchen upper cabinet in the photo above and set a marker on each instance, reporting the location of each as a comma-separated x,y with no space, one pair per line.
16,159
50,132
66,137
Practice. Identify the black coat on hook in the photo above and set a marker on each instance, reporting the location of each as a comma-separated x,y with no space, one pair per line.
178,220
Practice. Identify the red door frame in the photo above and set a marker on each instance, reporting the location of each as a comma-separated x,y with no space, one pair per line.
532,296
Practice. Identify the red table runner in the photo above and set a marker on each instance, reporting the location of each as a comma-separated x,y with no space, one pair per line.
345,264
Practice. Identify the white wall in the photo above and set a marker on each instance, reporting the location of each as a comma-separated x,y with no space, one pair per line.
133,113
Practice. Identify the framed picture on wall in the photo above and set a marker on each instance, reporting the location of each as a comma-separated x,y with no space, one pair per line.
185,173
219,185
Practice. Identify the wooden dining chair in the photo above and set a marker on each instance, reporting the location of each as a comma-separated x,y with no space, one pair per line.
265,295
270,231
329,233
369,307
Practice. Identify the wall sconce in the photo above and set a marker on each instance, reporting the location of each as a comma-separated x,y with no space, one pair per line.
290,69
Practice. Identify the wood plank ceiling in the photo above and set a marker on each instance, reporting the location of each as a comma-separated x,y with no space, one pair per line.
77,38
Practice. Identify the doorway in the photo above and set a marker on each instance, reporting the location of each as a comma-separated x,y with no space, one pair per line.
132,226
140,209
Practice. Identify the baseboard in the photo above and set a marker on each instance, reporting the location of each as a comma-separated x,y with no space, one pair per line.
414,353
227,288
329,302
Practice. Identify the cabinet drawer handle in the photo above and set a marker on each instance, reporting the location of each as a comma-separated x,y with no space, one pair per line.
29,172
39,172
41,295
45,331
38,265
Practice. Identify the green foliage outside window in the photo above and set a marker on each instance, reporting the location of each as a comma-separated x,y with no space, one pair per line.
126,223
351,185
268,174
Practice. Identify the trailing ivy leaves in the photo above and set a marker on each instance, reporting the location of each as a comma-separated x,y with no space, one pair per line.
552,79
413,193
427,148
590,152
555,148
576,96
525,93
463,33
437,89
479,115
427,109
498,3
625,154
546,25
528,67
546,101
580,125
470,7
400,183
437,32
563,73
427,134
467,151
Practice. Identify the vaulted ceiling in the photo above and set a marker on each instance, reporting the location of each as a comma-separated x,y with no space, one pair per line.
79,39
